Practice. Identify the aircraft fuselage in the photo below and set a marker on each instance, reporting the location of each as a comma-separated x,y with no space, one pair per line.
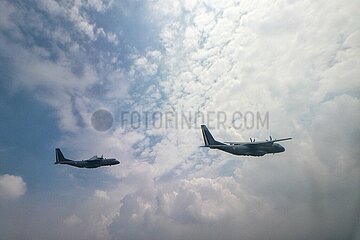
93,164
250,150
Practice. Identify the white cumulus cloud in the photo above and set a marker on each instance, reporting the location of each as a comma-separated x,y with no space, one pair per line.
11,187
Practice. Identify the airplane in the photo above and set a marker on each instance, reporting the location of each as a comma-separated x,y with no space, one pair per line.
251,148
93,162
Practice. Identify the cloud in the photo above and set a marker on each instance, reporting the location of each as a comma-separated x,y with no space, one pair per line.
61,71
112,37
72,220
75,12
101,194
6,15
258,59
11,187
98,5
293,59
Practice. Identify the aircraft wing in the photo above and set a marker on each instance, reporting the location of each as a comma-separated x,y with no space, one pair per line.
258,143
281,139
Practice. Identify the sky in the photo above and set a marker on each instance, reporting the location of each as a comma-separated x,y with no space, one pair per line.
296,62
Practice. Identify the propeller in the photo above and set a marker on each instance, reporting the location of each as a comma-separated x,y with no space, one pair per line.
270,139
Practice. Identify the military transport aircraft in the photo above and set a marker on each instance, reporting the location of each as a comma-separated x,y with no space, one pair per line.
93,162
251,148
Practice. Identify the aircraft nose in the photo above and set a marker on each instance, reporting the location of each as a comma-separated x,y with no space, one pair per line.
117,162
282,149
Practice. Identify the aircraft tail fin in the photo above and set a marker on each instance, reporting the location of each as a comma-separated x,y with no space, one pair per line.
208,138
59,156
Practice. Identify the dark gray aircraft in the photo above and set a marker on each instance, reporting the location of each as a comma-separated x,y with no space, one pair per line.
93,162
251,148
